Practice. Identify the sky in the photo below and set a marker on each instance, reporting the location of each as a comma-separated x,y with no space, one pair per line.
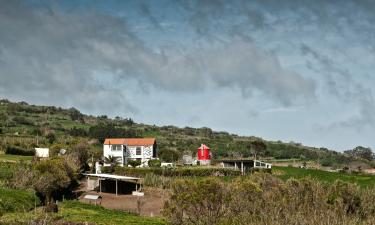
298,71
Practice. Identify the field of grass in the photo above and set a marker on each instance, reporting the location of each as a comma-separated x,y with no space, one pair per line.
74,211
14,158
6,170
16,201
325,176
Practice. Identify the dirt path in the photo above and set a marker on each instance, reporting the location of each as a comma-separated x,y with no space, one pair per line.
151,203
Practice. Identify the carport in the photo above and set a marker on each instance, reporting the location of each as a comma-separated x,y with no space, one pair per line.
102,177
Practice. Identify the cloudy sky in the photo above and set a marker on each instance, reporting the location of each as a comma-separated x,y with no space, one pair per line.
283,70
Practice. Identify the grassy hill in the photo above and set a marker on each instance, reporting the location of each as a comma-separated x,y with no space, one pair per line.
27,126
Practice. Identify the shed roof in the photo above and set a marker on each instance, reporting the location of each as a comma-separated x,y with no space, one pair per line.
130,141
111,176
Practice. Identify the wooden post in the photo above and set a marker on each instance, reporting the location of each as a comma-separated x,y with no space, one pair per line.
100,185
242,172
116,187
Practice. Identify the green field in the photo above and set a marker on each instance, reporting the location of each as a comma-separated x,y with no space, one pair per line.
16,201
75,211
14,158
291,172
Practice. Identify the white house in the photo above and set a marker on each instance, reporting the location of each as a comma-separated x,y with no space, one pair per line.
125,149
42,152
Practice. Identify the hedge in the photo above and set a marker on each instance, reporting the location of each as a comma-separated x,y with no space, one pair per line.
177,172
12,150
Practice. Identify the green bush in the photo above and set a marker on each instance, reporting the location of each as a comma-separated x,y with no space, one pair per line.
134,163
154,163
12,150
22,120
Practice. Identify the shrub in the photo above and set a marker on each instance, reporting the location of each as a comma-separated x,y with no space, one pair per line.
134,163
22,120
177,172
263,199
13,150
154,163
51,137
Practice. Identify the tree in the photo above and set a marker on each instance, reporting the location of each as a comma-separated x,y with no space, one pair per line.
168,155
76,115
257,147
80,151
361,152
51,176
51,137
112,161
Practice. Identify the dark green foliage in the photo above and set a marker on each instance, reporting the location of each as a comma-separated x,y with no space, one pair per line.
75,115
103,131
134,163
361,152
78,132
154,163
168,155
51,137
22,120
13,150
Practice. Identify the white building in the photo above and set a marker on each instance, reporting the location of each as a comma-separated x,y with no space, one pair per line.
42,152
126,149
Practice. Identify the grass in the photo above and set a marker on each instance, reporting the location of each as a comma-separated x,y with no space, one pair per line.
12,200
14,158
6,170
325,176
74,211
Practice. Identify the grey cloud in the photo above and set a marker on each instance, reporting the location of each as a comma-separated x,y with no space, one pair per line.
70,57
341,84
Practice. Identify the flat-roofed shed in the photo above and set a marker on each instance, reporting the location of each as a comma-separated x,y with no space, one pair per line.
116,178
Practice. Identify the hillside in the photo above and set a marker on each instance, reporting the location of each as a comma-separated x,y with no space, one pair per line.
27,126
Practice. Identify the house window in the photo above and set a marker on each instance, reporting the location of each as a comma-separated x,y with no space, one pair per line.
116,148
138,151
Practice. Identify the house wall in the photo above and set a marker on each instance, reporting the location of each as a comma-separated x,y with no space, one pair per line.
147,153
129,153
107,151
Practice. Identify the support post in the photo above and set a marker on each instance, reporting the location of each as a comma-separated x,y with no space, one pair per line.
100,185
242,172
116,187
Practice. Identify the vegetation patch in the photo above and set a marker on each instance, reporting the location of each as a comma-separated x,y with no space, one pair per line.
12,200
325,176
13,150
14,158
177,172
264,199
74,212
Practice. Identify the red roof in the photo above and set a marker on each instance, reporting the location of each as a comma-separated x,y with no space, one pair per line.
203,146
130,141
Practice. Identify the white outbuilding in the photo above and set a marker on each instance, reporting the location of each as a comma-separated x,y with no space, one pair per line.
42,152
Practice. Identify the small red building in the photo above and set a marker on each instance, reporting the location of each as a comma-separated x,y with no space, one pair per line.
204,155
